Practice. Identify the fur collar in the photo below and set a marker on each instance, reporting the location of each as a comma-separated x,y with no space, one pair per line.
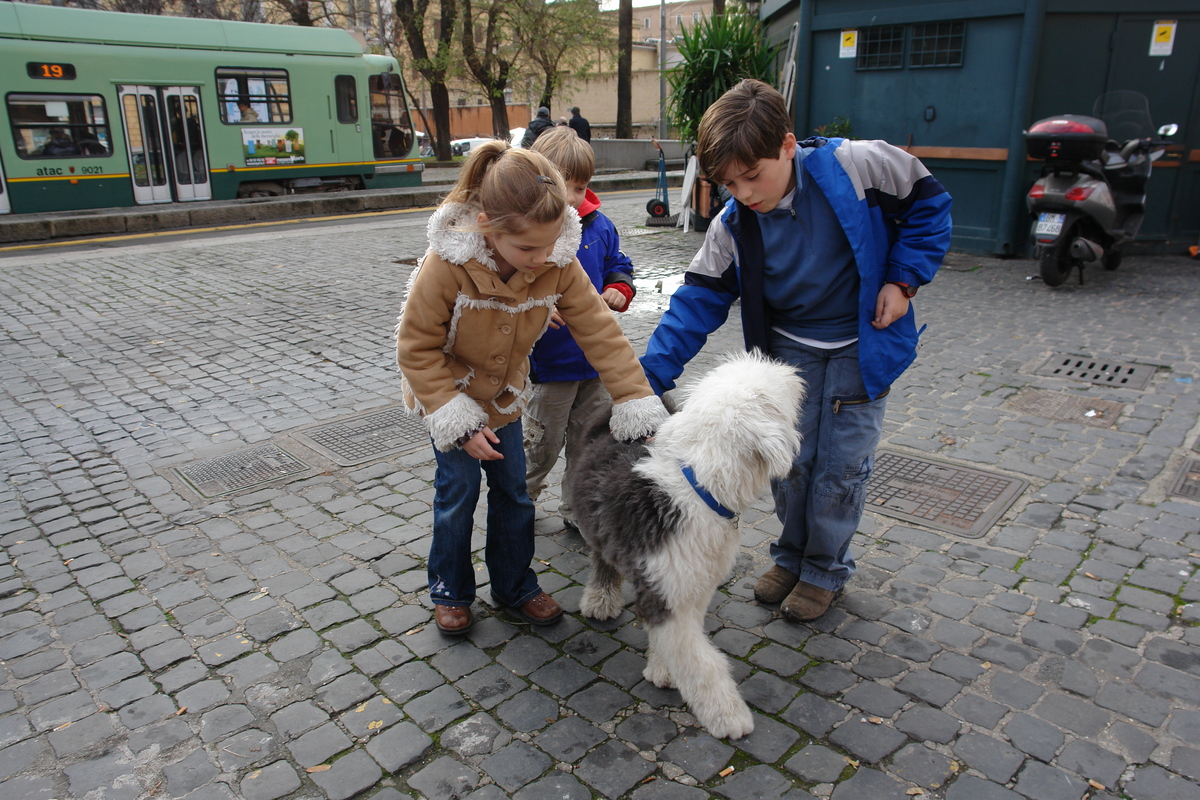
451,237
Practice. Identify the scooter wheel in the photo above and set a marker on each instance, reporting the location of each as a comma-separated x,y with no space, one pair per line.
656,208
1056,260
1112,259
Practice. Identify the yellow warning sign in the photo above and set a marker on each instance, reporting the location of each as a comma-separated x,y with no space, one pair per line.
1163,40
849,48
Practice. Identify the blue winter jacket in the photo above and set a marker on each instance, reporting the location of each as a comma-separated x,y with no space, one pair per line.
897,218
556,357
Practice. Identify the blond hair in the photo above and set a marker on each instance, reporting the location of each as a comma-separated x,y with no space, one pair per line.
746,124
574,157
514,188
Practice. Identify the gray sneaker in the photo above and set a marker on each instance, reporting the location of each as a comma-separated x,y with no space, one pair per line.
774,585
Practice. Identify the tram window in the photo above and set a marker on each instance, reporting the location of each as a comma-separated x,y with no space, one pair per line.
253,96
59,125
345,90
391,127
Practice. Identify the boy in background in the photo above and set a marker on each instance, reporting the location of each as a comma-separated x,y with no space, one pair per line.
825,241
566,389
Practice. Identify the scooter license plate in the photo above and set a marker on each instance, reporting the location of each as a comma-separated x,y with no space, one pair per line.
1049,224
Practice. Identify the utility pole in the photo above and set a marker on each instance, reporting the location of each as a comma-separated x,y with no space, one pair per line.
662,69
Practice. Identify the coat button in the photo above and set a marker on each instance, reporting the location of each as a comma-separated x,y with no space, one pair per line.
501,359
530,278
495,381
506,329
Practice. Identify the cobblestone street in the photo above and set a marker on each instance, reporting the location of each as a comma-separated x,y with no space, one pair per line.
277,641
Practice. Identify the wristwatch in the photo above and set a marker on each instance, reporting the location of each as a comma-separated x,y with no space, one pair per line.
909,291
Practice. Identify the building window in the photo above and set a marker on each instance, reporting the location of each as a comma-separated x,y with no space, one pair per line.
253,96
881,47
645,22
937,44
696,15
679,20
59,125
345,90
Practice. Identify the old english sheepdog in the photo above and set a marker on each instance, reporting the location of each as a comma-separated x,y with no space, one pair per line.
662,514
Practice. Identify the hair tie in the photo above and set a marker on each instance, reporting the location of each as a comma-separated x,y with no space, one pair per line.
545,179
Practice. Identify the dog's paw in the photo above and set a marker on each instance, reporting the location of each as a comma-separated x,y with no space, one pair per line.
600,605
657,673
730,719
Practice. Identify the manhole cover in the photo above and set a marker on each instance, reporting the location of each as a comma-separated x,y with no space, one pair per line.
353,441
1068,407
1097,370
1188,483
625,233
240,470
947,497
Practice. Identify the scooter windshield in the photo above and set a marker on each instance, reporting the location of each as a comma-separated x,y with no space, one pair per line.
1126,114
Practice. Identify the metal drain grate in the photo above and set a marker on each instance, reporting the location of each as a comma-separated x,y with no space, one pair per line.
1097,370
1067,407
241,470
1188,483
947,497
358,439
625,233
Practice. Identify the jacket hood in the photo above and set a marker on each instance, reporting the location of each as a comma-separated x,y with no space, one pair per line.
590,203
451,236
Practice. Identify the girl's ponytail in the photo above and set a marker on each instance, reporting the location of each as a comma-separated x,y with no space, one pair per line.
482,157
515,188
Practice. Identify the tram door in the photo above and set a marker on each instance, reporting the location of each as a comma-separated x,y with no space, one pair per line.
164,133
5,206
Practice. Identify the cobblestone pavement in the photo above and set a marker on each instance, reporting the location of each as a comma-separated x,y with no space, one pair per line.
277,643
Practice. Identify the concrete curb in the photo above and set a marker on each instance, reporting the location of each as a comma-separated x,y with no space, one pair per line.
21,228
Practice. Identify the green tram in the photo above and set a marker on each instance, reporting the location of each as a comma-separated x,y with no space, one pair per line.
108,109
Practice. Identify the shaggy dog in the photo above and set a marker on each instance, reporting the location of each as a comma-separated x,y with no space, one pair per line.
643,510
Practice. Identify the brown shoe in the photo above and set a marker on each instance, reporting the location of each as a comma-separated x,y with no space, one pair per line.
774,585
807,602
453,619
541,609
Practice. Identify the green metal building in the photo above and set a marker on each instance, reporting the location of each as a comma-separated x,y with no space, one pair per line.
958,81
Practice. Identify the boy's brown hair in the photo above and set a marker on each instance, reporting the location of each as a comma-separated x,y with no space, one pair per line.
573,156
746,124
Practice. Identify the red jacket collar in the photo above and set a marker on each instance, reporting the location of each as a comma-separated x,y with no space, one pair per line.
590,203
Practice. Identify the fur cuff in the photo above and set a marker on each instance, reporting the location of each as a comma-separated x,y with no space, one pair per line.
447,424
634,419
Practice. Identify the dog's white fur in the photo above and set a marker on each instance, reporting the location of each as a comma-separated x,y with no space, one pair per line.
737,430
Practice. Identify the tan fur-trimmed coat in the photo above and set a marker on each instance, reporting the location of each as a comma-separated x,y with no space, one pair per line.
464,336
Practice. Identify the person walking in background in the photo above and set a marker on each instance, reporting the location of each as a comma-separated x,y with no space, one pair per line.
825,242
567,389
580,125
501,260
540,123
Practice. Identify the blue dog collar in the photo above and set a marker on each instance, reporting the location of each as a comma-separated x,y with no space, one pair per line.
708,499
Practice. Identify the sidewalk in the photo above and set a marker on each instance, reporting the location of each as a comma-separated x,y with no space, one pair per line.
276,641
19,228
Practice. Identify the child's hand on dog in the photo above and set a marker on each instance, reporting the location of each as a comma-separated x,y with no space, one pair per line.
480,446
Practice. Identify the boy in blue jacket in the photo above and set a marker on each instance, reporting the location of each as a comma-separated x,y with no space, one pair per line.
825,241
566,389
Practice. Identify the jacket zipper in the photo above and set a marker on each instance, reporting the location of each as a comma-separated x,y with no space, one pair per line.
837,404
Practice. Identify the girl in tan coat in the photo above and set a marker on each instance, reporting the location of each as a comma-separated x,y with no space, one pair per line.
501,258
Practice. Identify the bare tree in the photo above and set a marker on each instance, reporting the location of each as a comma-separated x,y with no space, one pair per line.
624,70
492,64
435,67
562,39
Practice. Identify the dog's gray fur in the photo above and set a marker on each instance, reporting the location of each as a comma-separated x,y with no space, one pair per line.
644,521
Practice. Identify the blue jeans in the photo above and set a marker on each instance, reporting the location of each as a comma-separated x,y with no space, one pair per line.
821,502
508,551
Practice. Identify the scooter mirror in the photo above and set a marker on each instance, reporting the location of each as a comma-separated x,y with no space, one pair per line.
1168,130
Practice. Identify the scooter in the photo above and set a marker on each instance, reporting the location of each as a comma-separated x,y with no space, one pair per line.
1090,198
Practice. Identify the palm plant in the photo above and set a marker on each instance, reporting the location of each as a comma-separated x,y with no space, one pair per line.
717,52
